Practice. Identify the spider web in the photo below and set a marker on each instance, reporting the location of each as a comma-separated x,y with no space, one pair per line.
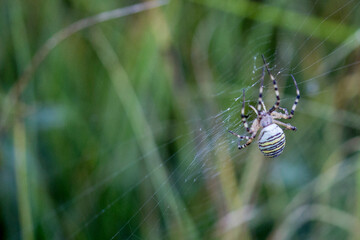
198,163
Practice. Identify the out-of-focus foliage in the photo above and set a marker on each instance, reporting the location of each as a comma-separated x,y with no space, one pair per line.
121,132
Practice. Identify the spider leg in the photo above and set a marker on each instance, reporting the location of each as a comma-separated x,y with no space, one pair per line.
240,137
263,106
252,107
243,116
253,130
251,138
286,125
260,102
296,99
279,115
286,114
277,103
285,110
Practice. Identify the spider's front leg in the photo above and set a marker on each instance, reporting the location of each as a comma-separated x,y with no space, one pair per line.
278,115
286,125
285,110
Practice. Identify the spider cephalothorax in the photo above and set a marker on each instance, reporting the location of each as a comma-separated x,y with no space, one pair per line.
272,138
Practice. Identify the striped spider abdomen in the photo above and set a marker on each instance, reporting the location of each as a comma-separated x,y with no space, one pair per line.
272,140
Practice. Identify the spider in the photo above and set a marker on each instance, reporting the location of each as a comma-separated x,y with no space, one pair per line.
272,138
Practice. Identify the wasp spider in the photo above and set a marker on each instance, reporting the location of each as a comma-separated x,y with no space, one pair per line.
272,138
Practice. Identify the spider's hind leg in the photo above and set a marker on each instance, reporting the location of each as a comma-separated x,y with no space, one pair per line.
248,142
240,137
253,130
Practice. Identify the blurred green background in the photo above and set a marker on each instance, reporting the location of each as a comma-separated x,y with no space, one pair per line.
119,131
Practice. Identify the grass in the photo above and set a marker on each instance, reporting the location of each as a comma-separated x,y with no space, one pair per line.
118,129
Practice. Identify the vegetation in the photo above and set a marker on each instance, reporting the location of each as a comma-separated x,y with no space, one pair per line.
115,127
